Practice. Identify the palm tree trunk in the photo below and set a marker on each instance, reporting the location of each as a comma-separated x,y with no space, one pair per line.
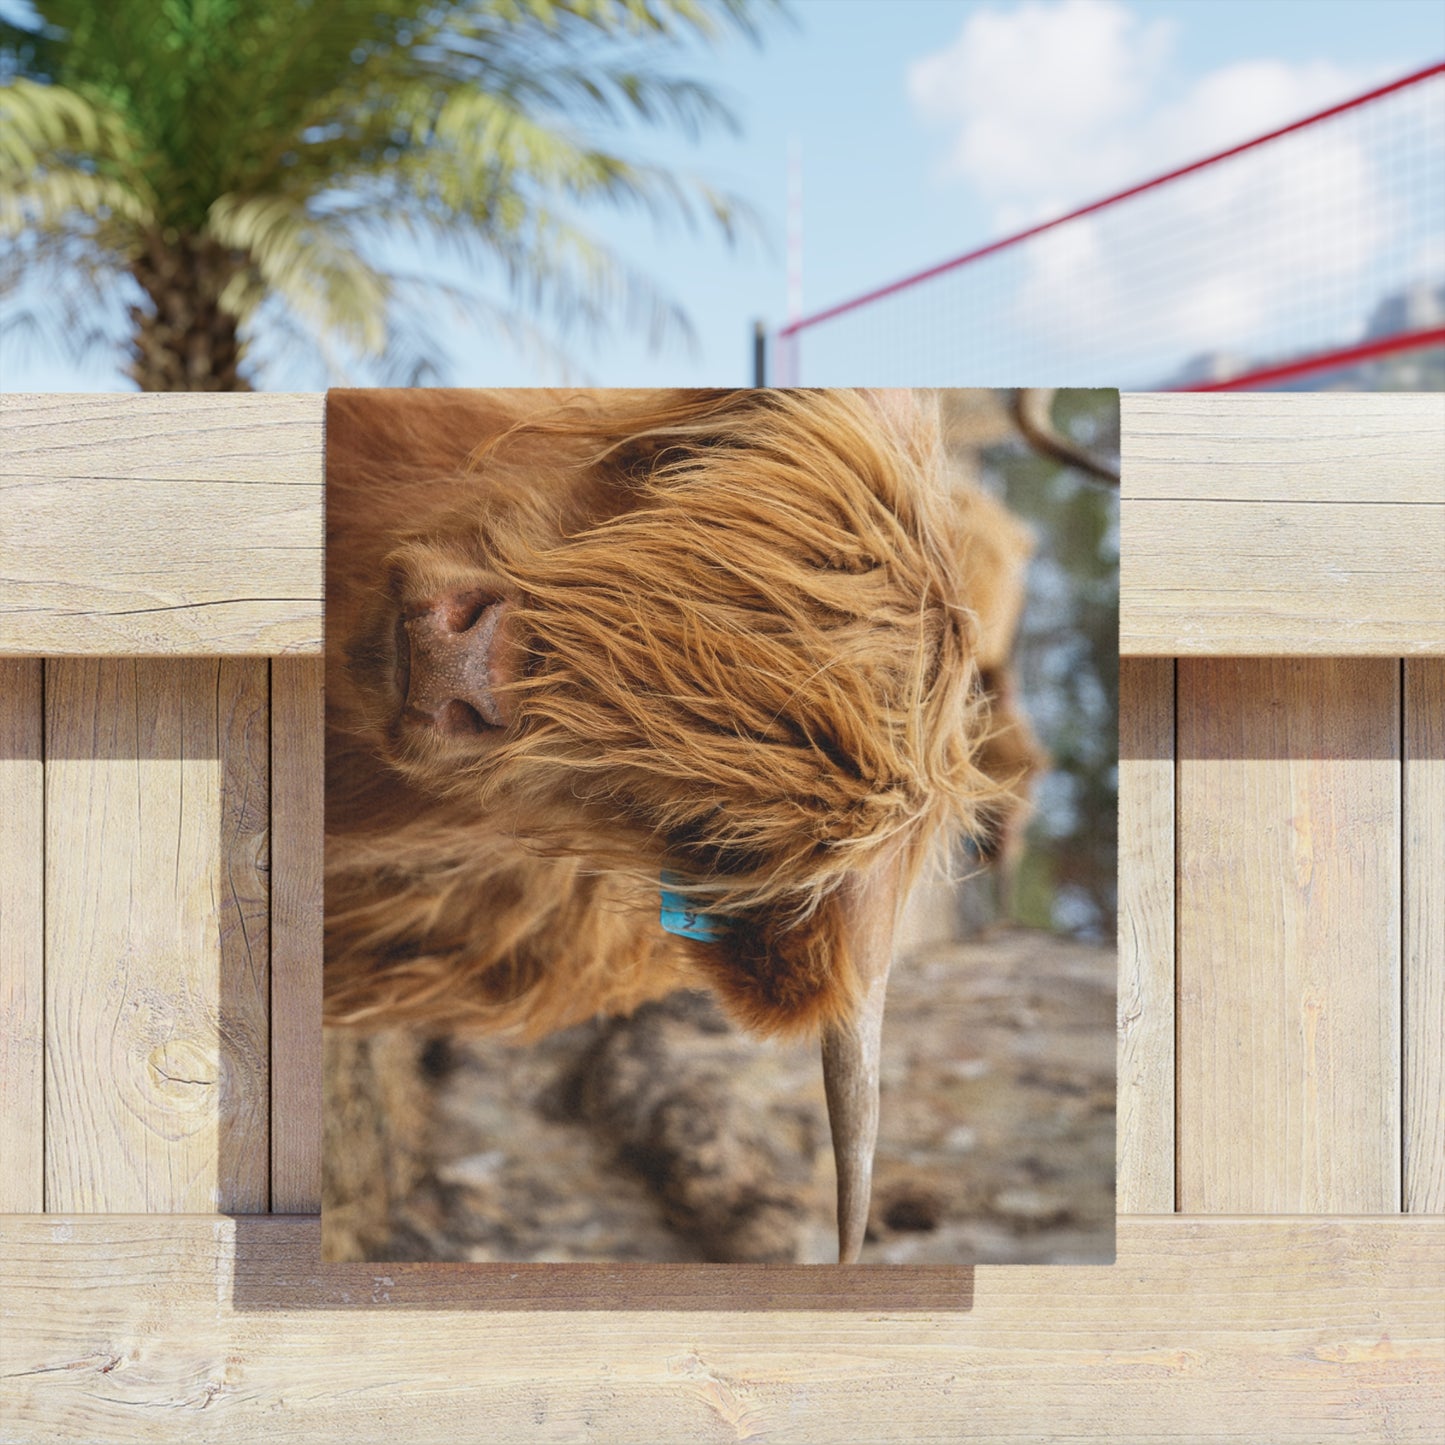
183,339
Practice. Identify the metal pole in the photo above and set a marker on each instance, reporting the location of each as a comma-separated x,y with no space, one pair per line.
760,354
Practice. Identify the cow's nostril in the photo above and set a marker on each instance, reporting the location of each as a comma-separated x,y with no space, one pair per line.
454,673
458,718
462,610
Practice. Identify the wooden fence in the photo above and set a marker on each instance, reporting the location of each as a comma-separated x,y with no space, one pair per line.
1281,1252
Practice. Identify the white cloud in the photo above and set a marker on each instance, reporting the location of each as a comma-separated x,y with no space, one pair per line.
1045,107
1048,106
1041,99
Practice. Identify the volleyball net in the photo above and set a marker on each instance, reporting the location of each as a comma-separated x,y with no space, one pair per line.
1309,256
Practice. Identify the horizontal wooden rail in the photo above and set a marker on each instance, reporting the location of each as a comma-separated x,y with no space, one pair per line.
1281,867
1271,524
1277,524
1226,1329
143,525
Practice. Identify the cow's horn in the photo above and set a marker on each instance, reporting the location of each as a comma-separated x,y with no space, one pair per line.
851,1050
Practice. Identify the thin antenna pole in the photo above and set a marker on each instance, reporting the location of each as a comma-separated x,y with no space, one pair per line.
760,354
795,230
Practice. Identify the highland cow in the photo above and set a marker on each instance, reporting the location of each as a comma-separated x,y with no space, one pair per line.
630,692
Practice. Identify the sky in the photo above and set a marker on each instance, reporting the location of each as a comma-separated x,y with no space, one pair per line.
923,128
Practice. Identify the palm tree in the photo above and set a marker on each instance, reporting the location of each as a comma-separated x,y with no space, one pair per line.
238,168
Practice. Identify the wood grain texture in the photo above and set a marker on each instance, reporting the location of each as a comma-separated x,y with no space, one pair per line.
1326,446
297,742
156,922
149,524
1283,524
192,524
22,937
1288,936
1424,952
1294,825
217,1330
1146,936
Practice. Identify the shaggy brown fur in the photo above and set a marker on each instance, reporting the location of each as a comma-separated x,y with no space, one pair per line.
744,632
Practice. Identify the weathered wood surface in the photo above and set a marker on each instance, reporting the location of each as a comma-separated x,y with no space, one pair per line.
1289,936
150,524
218,1330
1252,524
1260,524
156,952
1146,936
1309,804
22,937
296,828
1424,952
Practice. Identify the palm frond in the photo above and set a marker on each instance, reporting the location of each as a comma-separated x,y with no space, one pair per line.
310,262
66,199
306,138
40,122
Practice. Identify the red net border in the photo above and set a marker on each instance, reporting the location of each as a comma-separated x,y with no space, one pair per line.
1262,377
1323,361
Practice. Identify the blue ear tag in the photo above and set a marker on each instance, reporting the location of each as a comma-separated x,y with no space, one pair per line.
680,916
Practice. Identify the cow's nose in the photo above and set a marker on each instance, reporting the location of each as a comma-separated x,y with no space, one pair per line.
455,667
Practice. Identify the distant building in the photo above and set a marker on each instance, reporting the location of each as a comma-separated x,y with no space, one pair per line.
1419,307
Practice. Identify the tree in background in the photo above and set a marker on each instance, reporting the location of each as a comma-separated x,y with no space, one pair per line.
1067,659
236,169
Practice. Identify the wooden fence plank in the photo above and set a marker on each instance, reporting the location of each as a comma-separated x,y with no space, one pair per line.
192,524
242,918
1146,936
1326,446
296,823
220,1330
1424,953
1263,524
160,524
1293,831
1287,579
22,933
156,923
1289,936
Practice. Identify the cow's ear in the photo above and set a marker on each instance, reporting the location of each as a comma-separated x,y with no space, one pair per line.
994,548
781,975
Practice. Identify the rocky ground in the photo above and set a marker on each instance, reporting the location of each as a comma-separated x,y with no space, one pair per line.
672,1138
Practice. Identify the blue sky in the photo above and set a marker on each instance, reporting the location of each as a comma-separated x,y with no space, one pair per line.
892,104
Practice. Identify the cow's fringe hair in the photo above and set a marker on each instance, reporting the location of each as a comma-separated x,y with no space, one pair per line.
750,657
